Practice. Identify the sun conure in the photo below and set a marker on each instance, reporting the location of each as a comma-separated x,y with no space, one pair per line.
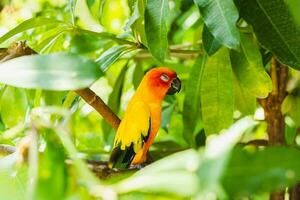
142,118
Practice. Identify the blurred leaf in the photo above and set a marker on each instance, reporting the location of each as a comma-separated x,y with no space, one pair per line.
156,177
156,27
217,93
72,5
138,27
112,55
83,43
135,15
249,70
191,106
245,102
290,133
166,116
59,71
274,27
49,36
291,106
264,170
12,180
294,6
29,24
13,106
216,156
114,99
96,7
210,43
52,174
55,44
220,17
54,98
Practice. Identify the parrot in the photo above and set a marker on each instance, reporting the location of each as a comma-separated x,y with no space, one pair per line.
142,118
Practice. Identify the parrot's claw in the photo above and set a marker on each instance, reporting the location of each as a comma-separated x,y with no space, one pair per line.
137,166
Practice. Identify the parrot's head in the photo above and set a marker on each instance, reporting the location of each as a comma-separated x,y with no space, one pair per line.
163,81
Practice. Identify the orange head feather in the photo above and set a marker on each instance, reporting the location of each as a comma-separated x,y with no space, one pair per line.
161,81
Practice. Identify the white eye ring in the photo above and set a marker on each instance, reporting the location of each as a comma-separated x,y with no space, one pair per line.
164,77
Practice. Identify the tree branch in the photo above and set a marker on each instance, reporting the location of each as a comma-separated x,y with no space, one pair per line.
98,104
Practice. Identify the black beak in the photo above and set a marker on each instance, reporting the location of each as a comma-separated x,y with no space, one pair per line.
175,86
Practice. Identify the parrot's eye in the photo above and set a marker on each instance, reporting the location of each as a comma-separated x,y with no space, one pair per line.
164,77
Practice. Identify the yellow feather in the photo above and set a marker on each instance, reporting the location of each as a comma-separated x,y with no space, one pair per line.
134,124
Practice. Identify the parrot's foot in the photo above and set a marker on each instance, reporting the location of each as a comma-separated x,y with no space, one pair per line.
137,166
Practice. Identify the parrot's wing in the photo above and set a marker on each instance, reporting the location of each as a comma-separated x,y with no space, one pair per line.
131,135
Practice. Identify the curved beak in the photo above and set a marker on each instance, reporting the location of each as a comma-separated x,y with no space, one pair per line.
175,86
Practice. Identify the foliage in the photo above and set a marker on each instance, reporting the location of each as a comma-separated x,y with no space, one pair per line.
221,50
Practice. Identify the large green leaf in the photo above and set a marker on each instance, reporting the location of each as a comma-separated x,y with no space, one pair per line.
156,27
210,43
29,24
59,71
191,107
261,171
220,17
249,70
274,27
217,93
244,101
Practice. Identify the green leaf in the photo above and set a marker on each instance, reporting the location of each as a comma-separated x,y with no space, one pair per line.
264,170
220,17
138,75
217,93
156,27
274,27
191,106
244,101
249,70
29,24
112,55
59,71
210,43
13,106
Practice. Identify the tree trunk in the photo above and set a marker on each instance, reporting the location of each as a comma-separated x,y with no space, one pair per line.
294,192
273,114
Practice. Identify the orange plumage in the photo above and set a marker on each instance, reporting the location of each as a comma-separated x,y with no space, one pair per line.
142,118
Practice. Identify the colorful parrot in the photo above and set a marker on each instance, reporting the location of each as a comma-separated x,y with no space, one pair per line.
142,118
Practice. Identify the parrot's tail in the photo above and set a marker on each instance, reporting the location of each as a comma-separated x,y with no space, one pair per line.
121,159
